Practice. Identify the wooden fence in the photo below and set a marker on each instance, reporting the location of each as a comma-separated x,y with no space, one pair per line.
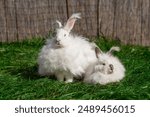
126,20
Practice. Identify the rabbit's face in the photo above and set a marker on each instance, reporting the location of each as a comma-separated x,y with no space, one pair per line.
62,33
61,37
104,64
105,67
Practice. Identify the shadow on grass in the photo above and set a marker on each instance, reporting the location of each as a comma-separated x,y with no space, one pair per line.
29,72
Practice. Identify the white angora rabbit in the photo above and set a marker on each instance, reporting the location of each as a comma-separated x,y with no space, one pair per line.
106,70
66,55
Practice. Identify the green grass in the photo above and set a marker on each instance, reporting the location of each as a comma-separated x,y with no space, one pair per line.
19,78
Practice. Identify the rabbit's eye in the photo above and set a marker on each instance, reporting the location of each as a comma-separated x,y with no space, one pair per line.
64,35
103,64
54,34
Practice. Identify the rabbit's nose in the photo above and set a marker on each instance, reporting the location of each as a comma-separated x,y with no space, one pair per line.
58,42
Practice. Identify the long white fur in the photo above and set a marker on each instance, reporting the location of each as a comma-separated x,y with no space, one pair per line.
67,60
97,73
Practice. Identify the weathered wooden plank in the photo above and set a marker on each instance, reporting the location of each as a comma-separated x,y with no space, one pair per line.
128,21
88,9
42,17
57,11
120,20
106,17
11,20
3,36
31,15
145,23
134,22
23,18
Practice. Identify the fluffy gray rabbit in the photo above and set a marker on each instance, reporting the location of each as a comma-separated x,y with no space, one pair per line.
106,69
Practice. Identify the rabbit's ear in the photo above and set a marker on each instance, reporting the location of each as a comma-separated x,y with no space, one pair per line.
71,21
114,48
59,23
97,52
